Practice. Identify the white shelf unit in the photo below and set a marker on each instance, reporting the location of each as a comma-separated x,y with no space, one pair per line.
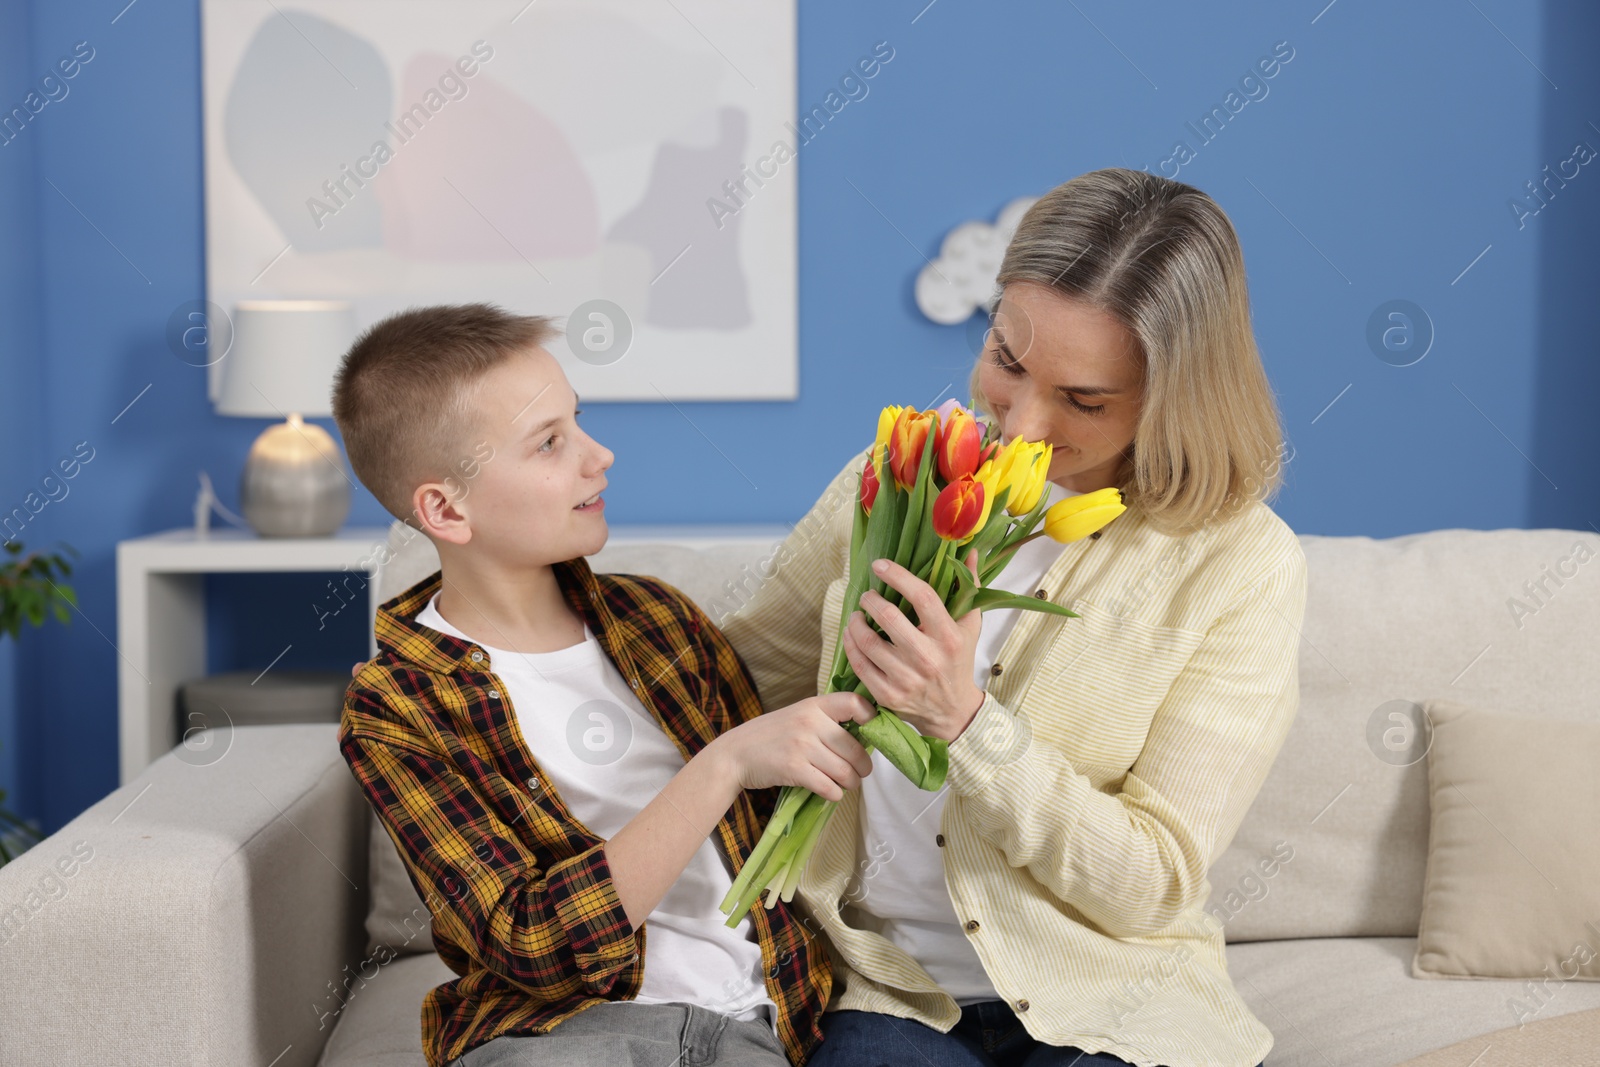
161,618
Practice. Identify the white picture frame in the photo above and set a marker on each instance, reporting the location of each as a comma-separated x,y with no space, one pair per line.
581,160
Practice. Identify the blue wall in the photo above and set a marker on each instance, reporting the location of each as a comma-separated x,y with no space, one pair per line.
21,350
1379,165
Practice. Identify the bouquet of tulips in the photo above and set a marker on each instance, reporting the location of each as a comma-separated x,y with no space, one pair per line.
939,484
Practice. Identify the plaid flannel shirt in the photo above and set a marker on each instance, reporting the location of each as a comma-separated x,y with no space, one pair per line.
523,905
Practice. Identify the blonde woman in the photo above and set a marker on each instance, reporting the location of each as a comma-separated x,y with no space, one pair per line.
1047,906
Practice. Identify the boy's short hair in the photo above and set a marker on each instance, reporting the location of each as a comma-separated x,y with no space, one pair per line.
403,395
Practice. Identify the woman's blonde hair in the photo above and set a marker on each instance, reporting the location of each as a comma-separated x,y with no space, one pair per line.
1162,259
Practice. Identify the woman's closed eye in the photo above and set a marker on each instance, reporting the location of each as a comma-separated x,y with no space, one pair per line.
1014,368
1003,360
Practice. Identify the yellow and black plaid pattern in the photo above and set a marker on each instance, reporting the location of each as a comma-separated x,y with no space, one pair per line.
523,905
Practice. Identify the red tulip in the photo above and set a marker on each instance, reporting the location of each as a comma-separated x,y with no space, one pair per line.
959,509
959,443
987,453
906,443
869,483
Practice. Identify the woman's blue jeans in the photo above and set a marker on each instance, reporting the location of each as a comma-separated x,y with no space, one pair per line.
989,1034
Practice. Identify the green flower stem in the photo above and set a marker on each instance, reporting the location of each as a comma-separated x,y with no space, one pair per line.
804,835
940,555
790,800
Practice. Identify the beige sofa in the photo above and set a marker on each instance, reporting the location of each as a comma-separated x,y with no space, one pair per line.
215,909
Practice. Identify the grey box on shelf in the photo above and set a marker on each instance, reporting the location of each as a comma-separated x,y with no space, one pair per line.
249,698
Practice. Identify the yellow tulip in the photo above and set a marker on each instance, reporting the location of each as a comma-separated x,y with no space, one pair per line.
1079,516
991,473
1029,478
1004,461
1017,465
886,419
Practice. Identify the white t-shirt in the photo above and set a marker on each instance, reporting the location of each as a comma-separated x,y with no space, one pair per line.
901,892
607,757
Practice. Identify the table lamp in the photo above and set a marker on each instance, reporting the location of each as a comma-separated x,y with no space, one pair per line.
281,365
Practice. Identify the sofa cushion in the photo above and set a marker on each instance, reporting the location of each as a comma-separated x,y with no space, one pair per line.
1513,878
396,916
1354,1001
1559,1041
1466,615
380,1024
1326,1000
1490,618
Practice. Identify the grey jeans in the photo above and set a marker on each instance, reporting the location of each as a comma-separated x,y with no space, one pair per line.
629,1034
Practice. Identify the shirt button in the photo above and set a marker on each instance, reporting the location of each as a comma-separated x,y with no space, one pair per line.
972,924
494,694
533,783
939,841
477,657
593,595
995,670
1096,535
634,682
1022,1005
1041,594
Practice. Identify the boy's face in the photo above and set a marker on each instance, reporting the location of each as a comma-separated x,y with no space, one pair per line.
536,466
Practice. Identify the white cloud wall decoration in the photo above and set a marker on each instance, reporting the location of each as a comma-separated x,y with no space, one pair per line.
952,287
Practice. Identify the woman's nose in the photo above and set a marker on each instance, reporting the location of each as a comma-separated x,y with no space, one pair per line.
1029,418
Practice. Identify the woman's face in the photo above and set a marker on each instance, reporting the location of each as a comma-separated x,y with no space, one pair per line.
1046,360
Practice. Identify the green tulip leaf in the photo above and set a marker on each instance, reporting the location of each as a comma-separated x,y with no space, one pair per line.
882,731
938,763
917,507
990,599
923,760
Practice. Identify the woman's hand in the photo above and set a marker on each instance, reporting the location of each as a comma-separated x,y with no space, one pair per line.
925,675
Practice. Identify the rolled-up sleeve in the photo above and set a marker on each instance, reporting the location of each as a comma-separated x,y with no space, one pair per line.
1133,860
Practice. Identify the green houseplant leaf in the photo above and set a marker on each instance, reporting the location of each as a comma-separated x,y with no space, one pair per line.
31,590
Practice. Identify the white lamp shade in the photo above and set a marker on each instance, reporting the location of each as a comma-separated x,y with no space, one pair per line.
284,356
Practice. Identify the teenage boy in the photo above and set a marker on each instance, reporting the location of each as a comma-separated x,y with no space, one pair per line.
572,765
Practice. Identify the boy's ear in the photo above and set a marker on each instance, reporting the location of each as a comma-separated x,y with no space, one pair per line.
441,513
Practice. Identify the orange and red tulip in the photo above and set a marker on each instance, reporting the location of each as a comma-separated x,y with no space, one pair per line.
960,509
869,482
907,440
960,441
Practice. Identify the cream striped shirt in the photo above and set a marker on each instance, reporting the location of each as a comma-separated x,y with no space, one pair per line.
1111,762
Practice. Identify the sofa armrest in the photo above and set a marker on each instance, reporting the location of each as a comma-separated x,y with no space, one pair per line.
204,913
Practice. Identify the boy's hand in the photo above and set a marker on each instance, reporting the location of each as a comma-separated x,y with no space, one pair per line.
357,668
802,744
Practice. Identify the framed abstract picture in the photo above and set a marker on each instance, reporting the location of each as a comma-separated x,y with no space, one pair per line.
596,161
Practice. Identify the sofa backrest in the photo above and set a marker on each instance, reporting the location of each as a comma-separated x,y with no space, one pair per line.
1504,620
719,577
1501,620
